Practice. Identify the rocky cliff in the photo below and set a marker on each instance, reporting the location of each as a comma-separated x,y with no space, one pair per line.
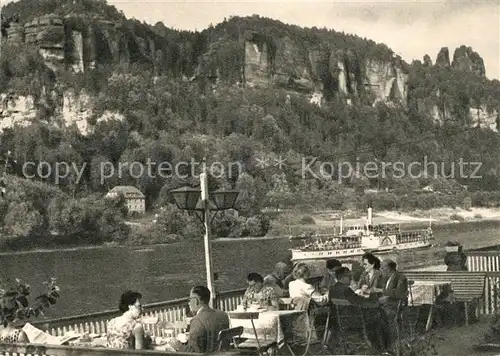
77,42
312,70
443,58
468,60
72,110
253,51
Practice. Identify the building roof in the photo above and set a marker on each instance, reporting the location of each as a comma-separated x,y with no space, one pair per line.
127,191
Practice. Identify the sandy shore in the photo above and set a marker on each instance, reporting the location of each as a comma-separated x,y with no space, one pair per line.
439,215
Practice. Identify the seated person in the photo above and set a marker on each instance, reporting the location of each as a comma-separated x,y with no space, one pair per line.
126,331
9,334
342,290
376,331
258,294
329,279
370,277
300,290
276,280
392,289
206,324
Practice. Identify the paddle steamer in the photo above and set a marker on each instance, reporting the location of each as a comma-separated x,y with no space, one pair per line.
358,239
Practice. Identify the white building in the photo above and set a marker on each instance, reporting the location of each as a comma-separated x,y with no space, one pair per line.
136,201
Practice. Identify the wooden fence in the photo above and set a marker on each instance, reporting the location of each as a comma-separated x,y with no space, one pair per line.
170,311
173,311
53,350
489,262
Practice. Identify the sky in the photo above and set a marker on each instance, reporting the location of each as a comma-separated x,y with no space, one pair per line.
410,28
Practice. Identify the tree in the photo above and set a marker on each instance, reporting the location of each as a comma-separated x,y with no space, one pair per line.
31,223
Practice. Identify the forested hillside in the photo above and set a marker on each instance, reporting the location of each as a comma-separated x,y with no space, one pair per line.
235,92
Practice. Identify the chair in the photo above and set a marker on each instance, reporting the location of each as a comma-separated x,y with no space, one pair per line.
351,325
313,312
261,346
228,337
408,316
322,329
286,304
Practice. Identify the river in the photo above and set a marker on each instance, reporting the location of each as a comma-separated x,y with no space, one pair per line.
92,280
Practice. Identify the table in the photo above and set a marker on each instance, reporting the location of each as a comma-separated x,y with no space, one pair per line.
100,341
280,326
427,293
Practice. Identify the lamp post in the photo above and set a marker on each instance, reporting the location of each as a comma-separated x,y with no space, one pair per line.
202,201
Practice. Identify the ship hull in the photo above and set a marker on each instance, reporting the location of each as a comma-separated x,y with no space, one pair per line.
298,255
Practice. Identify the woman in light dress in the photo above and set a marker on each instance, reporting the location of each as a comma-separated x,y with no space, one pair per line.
301,291
126,331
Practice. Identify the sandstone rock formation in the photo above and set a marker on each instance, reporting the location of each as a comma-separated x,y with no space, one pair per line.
386,81
427,61
466,59
16,110
284,64
484,118
443,58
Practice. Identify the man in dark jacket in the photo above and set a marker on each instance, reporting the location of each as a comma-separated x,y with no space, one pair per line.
206,324
370,307
393,291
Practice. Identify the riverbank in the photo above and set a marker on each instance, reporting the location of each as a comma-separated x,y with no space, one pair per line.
437,215
292,223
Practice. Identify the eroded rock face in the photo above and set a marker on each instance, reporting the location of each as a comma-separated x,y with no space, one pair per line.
78,63
16,110
47,32
466,59
443,58
288,66
78,109
256,63
386,81
15,33
480,117
427,61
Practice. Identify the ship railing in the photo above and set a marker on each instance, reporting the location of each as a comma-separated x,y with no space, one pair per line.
412,236
170,311
332,246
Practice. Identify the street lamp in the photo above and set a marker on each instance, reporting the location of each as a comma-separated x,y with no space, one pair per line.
200,200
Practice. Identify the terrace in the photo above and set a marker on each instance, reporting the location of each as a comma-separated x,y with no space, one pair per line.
452,340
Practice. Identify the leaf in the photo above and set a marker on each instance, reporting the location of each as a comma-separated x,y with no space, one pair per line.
24,301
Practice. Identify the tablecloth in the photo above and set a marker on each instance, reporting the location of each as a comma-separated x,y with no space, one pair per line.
427,292
280,326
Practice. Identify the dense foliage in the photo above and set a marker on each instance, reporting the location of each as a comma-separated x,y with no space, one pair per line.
175,120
